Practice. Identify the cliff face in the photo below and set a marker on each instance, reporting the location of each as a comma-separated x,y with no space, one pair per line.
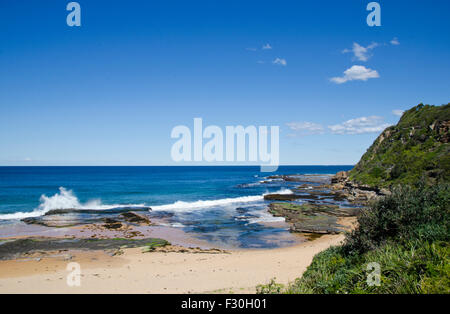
416,148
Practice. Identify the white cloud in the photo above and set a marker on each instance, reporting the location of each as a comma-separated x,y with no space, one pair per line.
395,41
280,62
266,47
398,112
305,128
251,49
371,124
360,52
356,73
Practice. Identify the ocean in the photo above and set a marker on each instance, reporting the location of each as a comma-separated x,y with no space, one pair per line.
215,203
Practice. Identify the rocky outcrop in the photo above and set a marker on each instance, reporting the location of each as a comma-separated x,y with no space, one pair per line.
112,224
341,176
310,178
24,247
112,218
442,128
136,218
354,192
287,197
181,249
312,218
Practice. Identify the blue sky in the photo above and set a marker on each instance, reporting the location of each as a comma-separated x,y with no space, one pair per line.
110,92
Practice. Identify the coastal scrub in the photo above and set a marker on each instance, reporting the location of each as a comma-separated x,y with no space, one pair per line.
406,233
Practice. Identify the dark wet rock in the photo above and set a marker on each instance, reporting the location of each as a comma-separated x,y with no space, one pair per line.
275,177
312,218
287,197
22,247
322,194
306,197
292,179
136,218
304,186
309,178
33,221
59,218
112,224
117,210
58,221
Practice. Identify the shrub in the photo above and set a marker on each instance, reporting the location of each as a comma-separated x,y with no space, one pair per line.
271,288
406,233
409,213
412,268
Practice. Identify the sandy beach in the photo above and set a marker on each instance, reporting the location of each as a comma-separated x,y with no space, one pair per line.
237,271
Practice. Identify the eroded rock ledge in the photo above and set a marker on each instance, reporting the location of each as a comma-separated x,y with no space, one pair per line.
321,202
312,218
354,192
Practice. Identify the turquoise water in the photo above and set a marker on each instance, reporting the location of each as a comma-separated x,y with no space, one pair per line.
216,203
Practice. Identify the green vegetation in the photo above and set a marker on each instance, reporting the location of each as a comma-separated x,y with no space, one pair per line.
155,243
406,233
415,149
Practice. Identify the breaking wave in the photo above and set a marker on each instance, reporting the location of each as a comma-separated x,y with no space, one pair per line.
186,206
66,199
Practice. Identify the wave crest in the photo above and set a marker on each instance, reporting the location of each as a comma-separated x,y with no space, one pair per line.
185,206
66,199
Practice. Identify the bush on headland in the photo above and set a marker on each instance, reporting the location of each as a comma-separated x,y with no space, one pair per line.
406,233
417,148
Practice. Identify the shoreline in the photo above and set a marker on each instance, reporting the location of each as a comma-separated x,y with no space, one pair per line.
117,255
236,271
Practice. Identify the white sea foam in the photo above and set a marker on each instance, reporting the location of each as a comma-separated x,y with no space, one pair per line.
65,199
21,215
200,204
265,217
271,180
186,206
282,191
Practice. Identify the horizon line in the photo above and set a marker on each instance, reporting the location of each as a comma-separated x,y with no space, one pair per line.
285,165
